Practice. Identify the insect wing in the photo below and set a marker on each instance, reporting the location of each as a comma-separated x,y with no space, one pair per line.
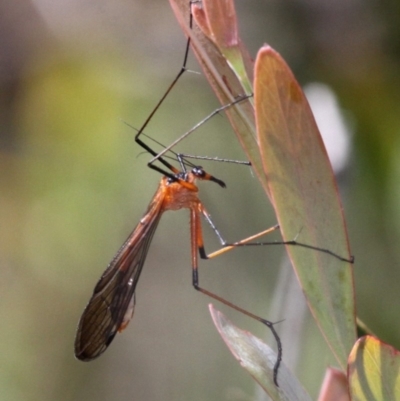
112,303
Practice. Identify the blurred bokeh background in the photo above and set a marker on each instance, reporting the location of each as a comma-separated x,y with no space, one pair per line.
73,183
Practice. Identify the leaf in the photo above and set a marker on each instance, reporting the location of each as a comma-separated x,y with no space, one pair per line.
374,371
289,158
259,360
304,195
218,22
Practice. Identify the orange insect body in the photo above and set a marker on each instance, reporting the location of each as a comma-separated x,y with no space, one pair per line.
111,306
178,195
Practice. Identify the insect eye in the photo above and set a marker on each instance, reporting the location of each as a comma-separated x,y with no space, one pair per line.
198,171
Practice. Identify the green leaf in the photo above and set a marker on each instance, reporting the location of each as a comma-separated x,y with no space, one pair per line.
304,195
374,371
259,360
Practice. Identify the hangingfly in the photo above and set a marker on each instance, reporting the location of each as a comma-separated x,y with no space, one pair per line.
112,304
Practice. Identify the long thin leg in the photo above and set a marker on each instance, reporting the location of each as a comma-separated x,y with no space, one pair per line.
228,247
197,243
194,128
292,242
212,225
196,235
137,136
225,246
159,156
247,242
213,159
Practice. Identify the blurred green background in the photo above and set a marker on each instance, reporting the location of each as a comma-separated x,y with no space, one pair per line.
73,183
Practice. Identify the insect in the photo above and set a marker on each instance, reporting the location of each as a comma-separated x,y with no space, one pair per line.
112,304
